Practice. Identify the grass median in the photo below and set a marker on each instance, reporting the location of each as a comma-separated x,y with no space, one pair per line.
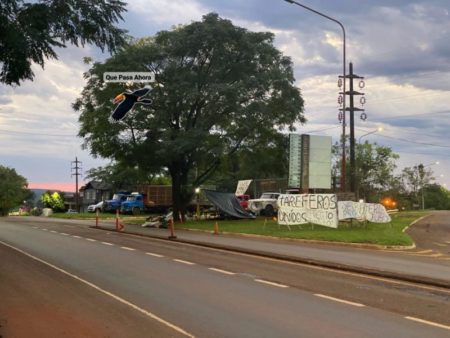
390,234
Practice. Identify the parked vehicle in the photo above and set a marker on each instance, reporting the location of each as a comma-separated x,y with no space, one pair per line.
115,202
95,207
243,201
157,198
134,204
265,205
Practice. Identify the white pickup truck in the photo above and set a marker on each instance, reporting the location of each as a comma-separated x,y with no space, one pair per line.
266,205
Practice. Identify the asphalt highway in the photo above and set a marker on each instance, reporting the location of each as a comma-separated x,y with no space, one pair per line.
123,285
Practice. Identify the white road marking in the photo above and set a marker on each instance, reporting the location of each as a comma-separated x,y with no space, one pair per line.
106,243
127,248
442,326
222,271
183,262
44,229
63,233
35,227
75,236
91,240
339,300
440,244
53,231
154,254
271,283
110,294
424,251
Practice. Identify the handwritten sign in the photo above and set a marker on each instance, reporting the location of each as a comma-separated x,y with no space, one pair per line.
373,212
308,208
242,187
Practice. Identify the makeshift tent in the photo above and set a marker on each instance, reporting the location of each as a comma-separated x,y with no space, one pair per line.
227,203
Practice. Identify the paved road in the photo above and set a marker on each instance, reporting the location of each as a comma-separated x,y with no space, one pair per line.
208,296
39,301
432,235
414,263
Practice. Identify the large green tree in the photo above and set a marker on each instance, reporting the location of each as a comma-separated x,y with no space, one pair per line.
31,30
415,179
374,172
53,200
375,165
13,189
224,88
436,197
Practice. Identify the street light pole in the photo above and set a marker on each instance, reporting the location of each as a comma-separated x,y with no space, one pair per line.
421,170
371,132
343,74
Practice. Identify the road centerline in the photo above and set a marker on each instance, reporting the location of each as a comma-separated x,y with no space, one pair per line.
339,300
225,272
154,254
271,283
442,326
183,262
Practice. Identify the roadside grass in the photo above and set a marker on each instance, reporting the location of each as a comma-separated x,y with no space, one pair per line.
356,232
390,234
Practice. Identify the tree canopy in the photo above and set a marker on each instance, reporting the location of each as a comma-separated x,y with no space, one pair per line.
374,172
30,31
13,189
53,200
219,88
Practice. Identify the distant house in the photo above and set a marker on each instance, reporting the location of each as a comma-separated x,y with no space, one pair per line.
94,192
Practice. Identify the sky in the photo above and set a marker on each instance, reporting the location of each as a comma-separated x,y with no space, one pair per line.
400,47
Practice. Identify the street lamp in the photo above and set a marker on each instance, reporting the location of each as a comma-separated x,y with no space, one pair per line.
379,129
420,168
197,195
343,87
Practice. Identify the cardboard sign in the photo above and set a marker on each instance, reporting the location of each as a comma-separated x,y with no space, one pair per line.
242,187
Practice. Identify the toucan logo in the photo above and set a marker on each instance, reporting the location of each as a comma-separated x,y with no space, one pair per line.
127,100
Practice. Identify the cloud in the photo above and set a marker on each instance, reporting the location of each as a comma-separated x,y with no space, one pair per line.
167,13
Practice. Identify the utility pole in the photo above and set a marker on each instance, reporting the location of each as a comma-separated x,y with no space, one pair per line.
76,171
351,93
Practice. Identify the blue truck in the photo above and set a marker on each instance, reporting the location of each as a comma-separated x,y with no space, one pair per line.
134,204
116,202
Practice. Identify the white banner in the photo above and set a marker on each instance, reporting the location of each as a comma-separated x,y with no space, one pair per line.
372,212
242,187
308,208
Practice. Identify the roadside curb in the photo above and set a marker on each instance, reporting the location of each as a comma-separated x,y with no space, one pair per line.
319,263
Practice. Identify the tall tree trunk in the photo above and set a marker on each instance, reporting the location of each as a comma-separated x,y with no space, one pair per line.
180,194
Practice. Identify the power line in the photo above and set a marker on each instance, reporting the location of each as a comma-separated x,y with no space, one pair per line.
36,134
317,130
415,142
412,115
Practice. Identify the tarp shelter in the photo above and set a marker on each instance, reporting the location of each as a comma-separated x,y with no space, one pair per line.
227,203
